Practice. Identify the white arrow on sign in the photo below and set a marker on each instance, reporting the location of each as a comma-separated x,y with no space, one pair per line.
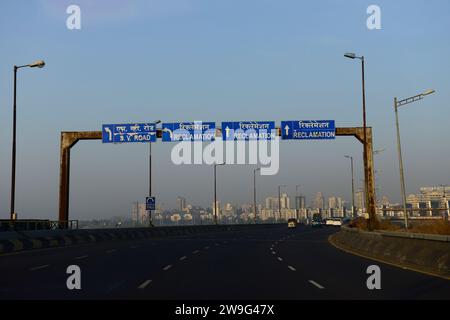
227,131
108,131
286,130
169,131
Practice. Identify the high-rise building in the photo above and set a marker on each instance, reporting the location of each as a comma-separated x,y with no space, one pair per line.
332,202
359,199
272,203
300,202
139,212
182,203
285,201
319,201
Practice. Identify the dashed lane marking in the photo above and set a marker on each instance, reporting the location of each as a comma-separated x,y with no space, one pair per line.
40,267
316,284
144,284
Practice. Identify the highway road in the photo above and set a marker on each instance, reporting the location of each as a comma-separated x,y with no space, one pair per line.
260,263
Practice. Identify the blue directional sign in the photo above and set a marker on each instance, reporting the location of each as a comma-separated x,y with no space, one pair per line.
248,130
188,131
308,129
136,132
150,203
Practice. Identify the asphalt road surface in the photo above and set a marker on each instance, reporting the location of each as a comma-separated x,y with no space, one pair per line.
260,263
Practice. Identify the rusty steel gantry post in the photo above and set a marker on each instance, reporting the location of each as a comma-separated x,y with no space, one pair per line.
69,139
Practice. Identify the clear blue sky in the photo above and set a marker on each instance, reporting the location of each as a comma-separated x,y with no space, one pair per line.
183,60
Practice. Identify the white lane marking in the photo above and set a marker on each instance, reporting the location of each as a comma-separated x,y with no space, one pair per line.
40,267
196,251
273,252
207,247
217,244
134,247
280,259
182,258
111,250
316,284
167,267
292,268
81,257
144,284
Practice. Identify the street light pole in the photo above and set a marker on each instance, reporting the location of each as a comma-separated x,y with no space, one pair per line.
397,104
400,161
353,186
38,64
368,204
254,192
150,222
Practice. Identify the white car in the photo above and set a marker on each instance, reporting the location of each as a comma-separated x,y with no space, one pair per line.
334,222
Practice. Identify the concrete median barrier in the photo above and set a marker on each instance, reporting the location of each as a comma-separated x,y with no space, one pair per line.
423,253
15,241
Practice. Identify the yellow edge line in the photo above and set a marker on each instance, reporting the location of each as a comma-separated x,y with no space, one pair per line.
386,262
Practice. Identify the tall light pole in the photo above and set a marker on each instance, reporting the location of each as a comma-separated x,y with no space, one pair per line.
353,186
215,190
397,104
254,191
150,222
279,200
366,170
36,64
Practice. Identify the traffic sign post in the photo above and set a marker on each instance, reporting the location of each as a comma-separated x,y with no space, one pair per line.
188,131
308,130
248,130
150,203
121,133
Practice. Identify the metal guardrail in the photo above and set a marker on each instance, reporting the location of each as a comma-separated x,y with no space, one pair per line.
36,224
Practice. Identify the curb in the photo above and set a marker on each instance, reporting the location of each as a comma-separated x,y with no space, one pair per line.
387,259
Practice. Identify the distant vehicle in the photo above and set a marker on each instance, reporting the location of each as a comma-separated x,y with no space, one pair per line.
292,223
317,222
334,222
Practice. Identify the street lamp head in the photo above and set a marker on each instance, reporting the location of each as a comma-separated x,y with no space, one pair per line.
37,64
347,156
350,55
157,121
431,91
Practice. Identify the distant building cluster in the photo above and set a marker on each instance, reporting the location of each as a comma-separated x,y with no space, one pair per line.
429,202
